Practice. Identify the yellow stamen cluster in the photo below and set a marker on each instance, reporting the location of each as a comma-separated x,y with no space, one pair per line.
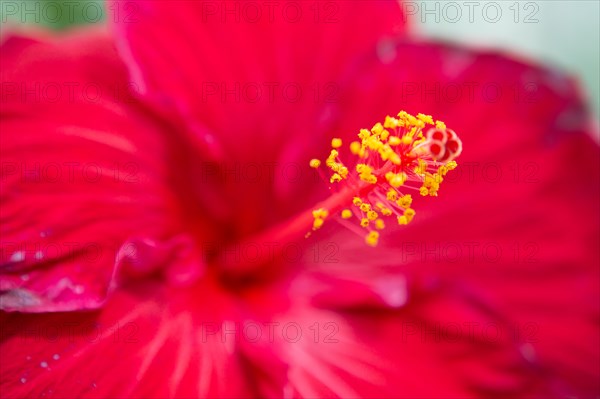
365,173
319,216
432,181
391,158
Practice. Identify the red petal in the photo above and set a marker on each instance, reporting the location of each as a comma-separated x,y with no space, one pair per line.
514,232
83,171
374,355
148,342
256,94
181,52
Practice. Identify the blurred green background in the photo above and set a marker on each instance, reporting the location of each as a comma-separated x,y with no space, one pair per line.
56,14
563,33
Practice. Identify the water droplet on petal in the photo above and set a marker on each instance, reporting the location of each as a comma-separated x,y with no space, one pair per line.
23,380
393,291
386,51
56,356
39,255
18,256
528,352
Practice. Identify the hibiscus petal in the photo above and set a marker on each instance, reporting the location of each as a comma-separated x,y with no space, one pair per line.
83,170
389,354
513,235
180,52
256,84
149,341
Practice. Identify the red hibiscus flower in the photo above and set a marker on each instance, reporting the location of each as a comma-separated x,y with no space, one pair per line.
155,199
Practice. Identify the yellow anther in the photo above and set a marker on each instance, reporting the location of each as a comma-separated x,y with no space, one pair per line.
320,213
336,143
421,167
372,215
396,179
384,135
361,167
394,141
451,165
377,129
440,125
407,139
333,154
432,180
379,224
346,214
357,201
364,222
405,201
425,118
365,173
318,223
315,163
372,238
364,134
335,178
386,212
355,147
424,191
392,195
390,123
402,220
410,214
373,143
343,171
365,207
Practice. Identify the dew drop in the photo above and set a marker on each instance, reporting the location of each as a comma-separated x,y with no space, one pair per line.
386,51
23,380
78,289
56,356
18,256
393,291
528,352
43,365
25,277
39,255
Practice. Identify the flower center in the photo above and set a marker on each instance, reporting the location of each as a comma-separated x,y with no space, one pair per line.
390,162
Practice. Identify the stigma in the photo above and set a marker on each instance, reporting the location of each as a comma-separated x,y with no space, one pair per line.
390,163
